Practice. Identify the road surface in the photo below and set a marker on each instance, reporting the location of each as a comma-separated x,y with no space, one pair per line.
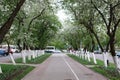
100,57
61,67
6,59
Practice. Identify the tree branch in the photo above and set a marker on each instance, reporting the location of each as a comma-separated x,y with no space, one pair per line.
116,4
35,18
103,17
115,27
74,12
110,17
105,1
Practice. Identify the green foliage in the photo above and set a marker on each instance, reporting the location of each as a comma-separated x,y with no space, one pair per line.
76,35
58,41
59,44
6,7
118,38
44,29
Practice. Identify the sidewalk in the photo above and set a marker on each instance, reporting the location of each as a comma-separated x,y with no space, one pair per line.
61,67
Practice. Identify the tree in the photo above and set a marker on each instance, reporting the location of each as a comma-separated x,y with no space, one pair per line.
45,29
110,17
83,14
104,14
6,26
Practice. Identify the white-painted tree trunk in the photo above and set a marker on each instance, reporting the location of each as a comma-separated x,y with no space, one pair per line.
85,55
39,53
105,59
117,63
29,55
88,56
70,52
75,53
24,56
0,70
94,58
79,53
82,55
42,52
11,57
33,55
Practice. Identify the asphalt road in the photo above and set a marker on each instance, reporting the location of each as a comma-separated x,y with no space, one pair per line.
61,67
5,59
100,57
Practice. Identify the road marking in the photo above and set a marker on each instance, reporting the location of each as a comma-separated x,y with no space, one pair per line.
71,69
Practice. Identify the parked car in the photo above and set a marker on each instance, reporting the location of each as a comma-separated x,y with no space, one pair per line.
13,48
3,52
97,52
57,51
118,53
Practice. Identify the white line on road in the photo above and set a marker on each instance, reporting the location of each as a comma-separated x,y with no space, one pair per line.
71,69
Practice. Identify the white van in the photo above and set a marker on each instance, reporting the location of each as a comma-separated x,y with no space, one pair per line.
50,49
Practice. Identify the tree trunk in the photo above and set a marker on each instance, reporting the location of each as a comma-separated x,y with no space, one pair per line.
117,63
88,56
12,58
0,70
98,41
107,47
94,58
112,47
6,26
112,50
29,55
105,59
8,46
23,54
18,44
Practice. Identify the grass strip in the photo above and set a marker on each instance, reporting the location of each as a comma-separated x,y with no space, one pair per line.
110,72
17,72
14,72
37,60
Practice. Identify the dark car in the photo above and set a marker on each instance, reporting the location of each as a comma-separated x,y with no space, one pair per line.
118,53
3,52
